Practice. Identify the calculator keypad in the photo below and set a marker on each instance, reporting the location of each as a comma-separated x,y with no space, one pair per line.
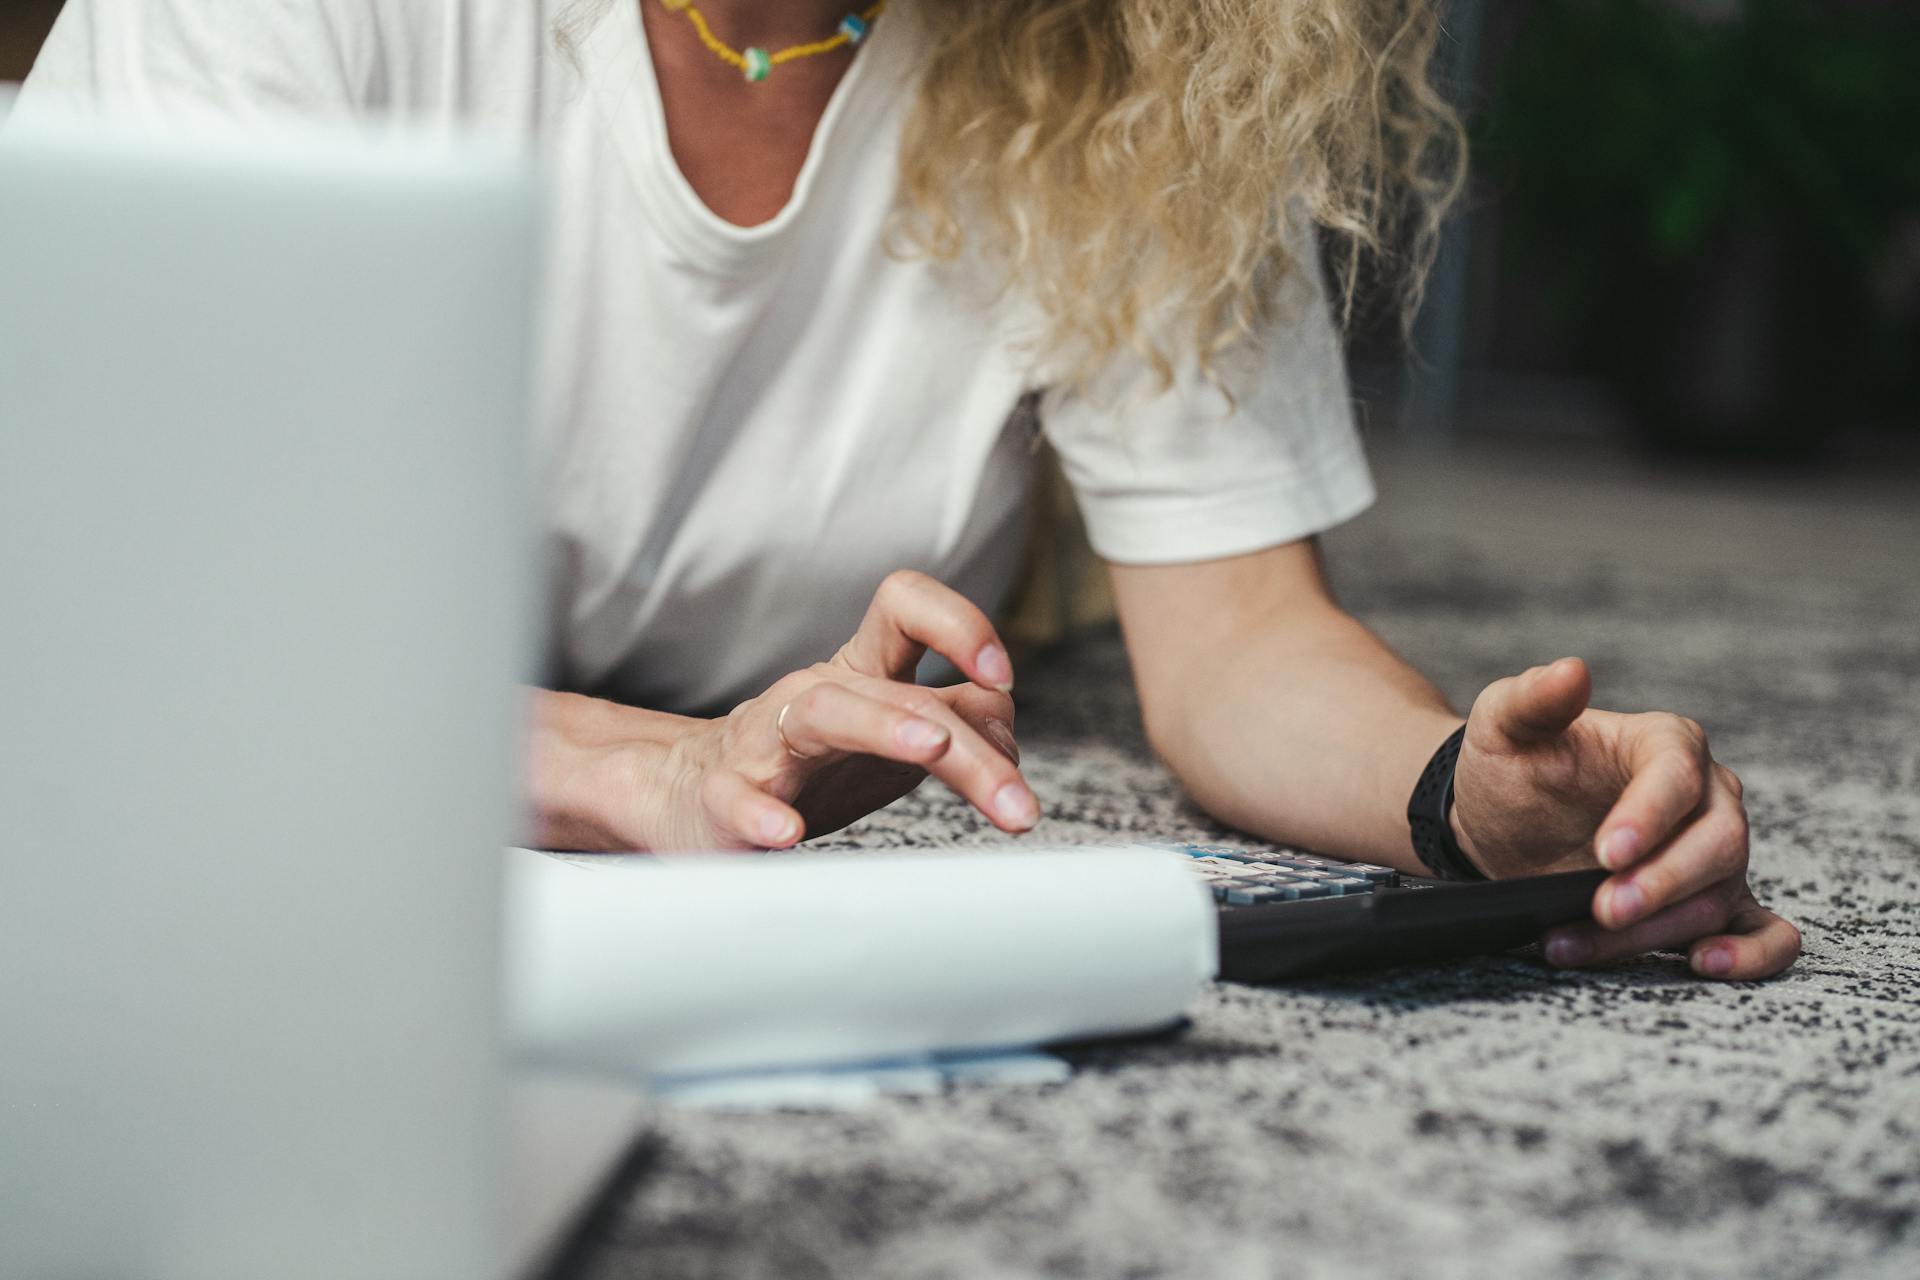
1244,877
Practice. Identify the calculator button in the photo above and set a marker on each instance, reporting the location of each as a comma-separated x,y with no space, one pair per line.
1265,859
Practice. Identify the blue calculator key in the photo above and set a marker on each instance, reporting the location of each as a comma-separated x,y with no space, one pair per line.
1253,895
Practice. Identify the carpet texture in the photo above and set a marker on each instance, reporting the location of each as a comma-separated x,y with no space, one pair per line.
1487,1117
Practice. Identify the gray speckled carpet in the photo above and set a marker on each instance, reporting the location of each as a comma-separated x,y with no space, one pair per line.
1477,1118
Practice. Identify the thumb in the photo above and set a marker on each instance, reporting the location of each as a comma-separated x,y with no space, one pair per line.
1537,705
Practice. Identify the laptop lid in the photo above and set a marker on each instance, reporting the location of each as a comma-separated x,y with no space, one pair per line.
264,562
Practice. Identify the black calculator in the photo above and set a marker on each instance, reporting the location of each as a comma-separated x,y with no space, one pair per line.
1290,915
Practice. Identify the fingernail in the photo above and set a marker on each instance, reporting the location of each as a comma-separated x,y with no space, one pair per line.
997,667
1620,848
921,735
1015,806
1568,949
777,829
1626,903
1003,738
1716,962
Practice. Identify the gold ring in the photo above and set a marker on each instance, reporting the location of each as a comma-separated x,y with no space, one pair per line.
780,732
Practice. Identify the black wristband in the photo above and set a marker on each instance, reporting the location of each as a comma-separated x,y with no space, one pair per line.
1428,812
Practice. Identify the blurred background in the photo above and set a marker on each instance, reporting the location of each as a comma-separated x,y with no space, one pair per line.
1693,225
1680,309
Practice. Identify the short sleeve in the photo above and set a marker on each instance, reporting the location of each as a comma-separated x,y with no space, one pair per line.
1193,473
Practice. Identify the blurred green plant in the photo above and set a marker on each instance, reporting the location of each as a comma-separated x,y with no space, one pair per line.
1630,137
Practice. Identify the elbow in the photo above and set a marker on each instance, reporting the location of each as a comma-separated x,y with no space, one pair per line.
1160,725
1192,751
1172,738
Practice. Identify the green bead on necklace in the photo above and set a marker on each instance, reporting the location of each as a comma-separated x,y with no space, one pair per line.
755,63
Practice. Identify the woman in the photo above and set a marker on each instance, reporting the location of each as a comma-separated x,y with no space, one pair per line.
815,278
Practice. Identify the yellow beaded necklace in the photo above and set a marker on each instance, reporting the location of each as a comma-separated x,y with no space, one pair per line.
756,63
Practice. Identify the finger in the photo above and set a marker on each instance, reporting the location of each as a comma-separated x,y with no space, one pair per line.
1537,705
1571,946
1668,772
1711,847
912,613
1758,944
751,818
987,710
831,717
978,770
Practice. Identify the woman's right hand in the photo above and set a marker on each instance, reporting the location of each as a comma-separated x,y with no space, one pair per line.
818,750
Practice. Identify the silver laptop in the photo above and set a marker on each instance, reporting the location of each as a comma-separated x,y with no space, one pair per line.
264,597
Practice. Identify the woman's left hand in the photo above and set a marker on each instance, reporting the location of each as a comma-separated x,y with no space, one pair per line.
1546,783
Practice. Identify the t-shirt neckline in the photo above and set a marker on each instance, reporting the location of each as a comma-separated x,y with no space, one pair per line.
618,63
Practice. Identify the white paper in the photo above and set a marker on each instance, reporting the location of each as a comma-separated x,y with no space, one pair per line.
692,964
848,1088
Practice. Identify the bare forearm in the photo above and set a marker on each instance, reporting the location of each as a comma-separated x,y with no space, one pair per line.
1312,735
1280,713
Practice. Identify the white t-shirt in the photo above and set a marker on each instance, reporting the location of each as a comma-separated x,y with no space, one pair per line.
750,427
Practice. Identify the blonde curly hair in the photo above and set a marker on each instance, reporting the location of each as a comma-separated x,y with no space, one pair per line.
1146,170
